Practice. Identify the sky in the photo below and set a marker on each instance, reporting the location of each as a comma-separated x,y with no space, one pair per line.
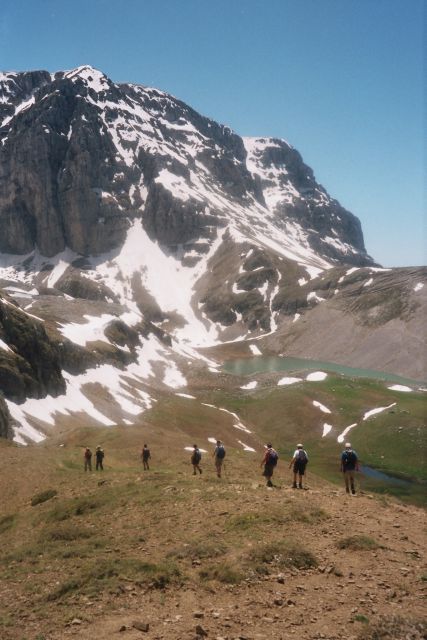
341,80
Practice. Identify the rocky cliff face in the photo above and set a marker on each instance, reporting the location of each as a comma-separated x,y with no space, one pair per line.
81,157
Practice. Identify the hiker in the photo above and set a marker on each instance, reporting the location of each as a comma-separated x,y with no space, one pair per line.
99,457
88,459
196,457
269,461
349,464
299,462
145,457
219,455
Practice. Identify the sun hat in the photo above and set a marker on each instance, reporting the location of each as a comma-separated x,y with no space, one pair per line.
348,445
300,446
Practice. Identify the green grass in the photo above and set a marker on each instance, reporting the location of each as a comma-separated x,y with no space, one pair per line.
358,543
7,522
222,571
74,507
66,533
107,573
282,554
393,628
394,441
199,549
43,496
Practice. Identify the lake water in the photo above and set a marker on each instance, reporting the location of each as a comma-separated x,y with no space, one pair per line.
383,477
262,364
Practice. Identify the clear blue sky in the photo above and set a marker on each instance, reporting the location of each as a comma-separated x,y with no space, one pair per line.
341,80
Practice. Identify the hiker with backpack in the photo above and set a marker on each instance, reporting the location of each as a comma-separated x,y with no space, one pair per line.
145,457
87,459
299,463
349,465
269,461
219,455
196,457
99,457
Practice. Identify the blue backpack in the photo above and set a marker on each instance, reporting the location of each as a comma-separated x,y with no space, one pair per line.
220,452
272,458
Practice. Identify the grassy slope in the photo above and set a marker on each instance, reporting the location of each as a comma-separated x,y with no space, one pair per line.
394,441
164,543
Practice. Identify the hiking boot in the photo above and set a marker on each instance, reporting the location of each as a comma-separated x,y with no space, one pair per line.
200,470
269,483
294,486
347,490
300,486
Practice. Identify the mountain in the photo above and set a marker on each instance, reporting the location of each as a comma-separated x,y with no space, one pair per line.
135,233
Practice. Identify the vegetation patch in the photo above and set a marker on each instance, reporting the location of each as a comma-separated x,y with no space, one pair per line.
308,515
247,521
394,628
74,507
7,522
222,572
199,549
283,554
358,543
66,533
108,573
43,496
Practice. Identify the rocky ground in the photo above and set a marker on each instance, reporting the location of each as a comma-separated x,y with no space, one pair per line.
165,555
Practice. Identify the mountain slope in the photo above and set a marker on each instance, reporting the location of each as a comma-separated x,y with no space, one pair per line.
136,231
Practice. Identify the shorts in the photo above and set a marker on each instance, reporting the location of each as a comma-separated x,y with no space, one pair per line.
299,467
268,470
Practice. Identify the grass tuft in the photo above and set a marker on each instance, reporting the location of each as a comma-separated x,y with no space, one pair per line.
281,555
43,496
358,543
394,628
74,507
222,572
66,533
108,573
7,522
199,549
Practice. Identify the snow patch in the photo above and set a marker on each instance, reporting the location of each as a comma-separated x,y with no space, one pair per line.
316,376
400,387
326,429
250,385
288,380
373,412
344,433
254,349
321,407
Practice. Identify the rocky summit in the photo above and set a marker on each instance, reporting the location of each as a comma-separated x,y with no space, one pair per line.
136,234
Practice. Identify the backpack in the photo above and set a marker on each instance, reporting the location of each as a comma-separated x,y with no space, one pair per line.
302,456
272,457
220,452
196,457
349,457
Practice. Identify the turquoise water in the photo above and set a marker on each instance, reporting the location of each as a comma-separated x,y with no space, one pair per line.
262,364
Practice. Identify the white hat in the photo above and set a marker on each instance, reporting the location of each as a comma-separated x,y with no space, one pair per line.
348,445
